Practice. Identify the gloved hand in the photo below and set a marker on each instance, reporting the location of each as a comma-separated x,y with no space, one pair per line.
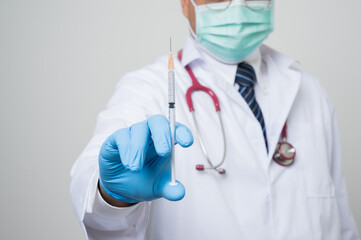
134,162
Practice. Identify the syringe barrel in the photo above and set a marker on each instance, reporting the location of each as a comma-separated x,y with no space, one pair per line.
171,89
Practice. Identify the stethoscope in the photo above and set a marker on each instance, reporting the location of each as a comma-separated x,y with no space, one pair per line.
284,154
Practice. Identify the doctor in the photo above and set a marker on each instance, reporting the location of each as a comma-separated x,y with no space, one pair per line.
119,184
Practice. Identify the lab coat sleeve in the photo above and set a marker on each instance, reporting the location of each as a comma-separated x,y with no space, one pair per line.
134,100
348,226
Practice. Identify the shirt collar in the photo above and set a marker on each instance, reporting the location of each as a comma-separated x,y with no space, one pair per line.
193,52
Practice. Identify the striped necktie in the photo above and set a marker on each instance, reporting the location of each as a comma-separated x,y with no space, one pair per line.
245,79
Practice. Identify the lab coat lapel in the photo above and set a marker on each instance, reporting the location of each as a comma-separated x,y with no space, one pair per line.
284,84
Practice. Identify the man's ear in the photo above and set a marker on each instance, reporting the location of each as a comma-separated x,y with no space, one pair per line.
185,8
189,13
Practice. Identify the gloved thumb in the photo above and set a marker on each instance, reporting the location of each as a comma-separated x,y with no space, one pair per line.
169,191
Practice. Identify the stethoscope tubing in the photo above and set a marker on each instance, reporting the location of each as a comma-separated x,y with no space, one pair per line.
196,86
203,146
279,157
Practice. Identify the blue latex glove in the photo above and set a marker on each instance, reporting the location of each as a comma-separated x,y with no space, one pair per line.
134,162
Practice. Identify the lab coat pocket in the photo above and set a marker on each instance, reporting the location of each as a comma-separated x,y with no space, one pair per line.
311,165
312,169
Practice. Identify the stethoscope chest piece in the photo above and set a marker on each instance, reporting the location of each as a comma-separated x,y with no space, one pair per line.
285,154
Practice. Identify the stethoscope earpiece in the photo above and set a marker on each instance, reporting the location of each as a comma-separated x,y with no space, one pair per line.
200,167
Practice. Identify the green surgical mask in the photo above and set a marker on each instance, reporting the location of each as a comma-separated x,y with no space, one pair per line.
232,31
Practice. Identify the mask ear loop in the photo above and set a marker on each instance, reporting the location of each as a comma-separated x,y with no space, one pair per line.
195,6
189,24
265,8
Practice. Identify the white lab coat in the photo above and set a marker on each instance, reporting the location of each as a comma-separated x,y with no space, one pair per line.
257,198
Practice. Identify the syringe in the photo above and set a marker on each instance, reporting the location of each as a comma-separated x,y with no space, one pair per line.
171,101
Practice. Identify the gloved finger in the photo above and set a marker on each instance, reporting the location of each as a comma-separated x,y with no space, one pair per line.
110,147
160,134
138,146
171,192
183,135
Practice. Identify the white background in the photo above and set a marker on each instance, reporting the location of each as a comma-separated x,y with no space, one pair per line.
60,61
